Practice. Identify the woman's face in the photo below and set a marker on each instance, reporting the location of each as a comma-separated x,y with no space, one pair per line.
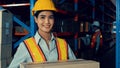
45,21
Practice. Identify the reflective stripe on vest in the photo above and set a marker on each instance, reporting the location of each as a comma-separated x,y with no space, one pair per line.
62,49
37,54
34,50
94,39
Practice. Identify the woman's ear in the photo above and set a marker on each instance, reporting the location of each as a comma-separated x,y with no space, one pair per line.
35,19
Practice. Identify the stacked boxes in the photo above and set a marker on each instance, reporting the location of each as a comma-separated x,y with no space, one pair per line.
5,38
84,26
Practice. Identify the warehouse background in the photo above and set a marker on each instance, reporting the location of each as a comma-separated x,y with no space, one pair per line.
78,15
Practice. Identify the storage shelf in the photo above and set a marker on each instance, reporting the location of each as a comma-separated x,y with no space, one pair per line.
113,10
87,11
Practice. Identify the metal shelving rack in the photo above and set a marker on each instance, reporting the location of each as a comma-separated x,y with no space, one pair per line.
118,34
31,28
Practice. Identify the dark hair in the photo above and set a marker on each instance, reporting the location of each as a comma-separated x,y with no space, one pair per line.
37,12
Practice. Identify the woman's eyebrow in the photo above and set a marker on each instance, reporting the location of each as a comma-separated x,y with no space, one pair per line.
45,15
42,15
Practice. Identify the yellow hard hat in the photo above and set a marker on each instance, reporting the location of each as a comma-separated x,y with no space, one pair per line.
43,5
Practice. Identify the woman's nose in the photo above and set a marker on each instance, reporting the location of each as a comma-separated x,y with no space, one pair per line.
46,20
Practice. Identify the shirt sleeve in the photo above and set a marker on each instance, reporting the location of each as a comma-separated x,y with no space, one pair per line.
97,42
71,54
19,57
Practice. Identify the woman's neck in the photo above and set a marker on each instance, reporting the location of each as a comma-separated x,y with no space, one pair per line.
46,36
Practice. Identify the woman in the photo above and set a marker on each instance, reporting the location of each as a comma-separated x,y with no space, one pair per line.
43,46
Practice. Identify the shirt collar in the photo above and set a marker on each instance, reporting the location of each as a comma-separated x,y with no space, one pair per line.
38,37
97,30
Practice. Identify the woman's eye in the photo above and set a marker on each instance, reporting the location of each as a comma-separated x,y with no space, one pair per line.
51,17
42,17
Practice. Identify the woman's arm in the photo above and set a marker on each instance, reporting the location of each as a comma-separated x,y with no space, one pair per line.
19,57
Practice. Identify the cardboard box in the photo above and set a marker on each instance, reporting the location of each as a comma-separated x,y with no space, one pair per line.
5,51
6,25
64,64
6,36
4,63
6,18
6,21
